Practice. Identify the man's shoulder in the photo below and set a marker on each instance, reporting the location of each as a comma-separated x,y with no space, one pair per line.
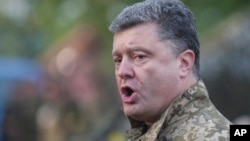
194,117
194,131
206,123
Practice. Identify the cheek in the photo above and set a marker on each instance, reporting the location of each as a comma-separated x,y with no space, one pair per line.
163,80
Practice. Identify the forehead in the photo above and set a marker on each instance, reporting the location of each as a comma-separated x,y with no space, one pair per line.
142,29
137,36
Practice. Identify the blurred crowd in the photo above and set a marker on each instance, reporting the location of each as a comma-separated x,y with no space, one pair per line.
63,96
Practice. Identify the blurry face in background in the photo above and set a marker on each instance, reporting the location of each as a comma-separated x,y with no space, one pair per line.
146,72
83,86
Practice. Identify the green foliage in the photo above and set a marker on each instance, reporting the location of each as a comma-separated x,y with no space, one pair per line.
210,12
29,27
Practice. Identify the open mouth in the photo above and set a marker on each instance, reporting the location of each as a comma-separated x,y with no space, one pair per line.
127,91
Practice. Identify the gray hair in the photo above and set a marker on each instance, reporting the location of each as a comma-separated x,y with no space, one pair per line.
176,23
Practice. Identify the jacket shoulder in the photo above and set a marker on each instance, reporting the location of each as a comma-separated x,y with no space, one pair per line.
203,125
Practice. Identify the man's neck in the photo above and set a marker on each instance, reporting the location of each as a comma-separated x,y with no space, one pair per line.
188,82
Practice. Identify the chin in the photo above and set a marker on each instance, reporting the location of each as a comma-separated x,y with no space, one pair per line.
134,115
133,110
130,113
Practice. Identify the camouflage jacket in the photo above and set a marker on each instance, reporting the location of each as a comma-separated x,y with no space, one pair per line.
191,116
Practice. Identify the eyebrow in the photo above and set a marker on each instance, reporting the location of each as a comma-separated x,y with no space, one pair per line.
114,52
132,49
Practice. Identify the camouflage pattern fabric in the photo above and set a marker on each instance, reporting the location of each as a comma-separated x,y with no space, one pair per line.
190,117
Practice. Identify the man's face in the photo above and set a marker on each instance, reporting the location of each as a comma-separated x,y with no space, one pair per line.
146,72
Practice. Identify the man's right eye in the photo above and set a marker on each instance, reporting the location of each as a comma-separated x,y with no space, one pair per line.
117,61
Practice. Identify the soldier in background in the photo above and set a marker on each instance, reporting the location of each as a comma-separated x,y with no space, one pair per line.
156,55
84,112
59,106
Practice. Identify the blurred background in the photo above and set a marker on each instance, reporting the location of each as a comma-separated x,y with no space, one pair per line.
56,71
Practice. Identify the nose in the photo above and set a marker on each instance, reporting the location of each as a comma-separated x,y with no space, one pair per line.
125,69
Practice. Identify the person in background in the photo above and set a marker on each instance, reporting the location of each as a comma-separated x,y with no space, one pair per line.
156,56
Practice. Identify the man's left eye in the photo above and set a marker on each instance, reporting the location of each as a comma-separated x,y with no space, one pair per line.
140,57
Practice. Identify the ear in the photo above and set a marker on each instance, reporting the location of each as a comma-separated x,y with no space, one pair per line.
186,62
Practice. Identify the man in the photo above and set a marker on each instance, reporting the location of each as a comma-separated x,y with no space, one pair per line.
156,55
